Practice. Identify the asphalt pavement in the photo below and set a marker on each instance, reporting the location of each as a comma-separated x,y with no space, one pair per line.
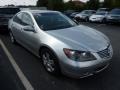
8,77
32,68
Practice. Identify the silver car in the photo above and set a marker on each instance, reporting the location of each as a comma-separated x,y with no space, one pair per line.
75,50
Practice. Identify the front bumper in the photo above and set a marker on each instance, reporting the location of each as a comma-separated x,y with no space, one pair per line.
96,19
83,69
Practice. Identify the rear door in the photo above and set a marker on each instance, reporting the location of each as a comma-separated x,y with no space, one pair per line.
16,26
29,38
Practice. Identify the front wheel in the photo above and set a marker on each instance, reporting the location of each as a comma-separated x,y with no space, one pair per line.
87,19
104,20
50,61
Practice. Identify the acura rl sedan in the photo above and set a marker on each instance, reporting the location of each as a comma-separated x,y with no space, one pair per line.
63,46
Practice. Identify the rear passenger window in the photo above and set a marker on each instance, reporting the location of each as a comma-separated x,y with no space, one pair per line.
18,18
26,19
23,19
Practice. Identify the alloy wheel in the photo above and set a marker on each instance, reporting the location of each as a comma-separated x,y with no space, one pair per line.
48,62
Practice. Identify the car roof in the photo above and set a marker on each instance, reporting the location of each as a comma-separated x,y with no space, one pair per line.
8,7
88,10
39,11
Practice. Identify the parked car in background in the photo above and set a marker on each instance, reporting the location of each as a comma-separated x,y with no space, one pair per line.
114,16
84,15
75,50
6,13
73,14
68,12
99,17
103,10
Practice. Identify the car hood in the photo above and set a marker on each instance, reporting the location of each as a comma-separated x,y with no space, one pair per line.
96,16
81,37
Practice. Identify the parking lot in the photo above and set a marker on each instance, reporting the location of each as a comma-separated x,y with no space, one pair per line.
33,70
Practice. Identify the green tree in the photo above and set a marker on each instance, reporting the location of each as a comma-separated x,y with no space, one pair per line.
69,5
111,3
55,5
117,3
107,3
42,3
51,4
92,4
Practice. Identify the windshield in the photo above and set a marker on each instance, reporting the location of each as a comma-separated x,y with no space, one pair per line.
115,11
100,13
53,21
9,10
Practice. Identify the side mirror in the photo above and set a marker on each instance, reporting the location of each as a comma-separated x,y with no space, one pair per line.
29,28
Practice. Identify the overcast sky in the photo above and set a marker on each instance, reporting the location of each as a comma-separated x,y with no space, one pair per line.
22,2
17,2
80,0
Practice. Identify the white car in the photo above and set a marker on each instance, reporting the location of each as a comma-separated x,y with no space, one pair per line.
98,17
84,15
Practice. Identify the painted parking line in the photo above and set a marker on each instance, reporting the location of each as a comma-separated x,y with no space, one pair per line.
19,72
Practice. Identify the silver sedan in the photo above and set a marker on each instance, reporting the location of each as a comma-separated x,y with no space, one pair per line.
64,47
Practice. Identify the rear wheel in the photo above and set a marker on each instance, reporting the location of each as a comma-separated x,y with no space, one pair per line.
77,19
87,19
12,38
104,20
50,61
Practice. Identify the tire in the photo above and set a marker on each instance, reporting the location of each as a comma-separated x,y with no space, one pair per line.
77,19
50,61
12,38
87,19
104,20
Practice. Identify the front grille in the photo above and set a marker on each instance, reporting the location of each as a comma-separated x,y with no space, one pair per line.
104,53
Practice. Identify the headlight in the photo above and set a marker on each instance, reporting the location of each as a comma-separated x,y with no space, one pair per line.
78,55
109,17
83,16
99,17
